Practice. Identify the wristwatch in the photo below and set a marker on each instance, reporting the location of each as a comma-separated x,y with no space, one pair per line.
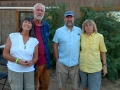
105,64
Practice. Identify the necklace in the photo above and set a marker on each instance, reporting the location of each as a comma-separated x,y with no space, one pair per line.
25,47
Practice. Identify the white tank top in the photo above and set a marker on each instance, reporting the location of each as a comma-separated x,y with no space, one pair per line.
21,51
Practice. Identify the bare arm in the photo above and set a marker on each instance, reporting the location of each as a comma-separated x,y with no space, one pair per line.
103,55
6,51
35,57
8,56
55,50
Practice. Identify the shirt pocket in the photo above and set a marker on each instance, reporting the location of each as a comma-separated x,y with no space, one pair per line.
76,37
94,46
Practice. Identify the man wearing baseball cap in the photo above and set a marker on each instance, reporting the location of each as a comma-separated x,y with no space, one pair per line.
66,51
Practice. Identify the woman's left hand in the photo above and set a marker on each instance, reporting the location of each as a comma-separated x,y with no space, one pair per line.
104,70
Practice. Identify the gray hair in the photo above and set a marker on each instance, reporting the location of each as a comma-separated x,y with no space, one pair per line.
37,4
89,21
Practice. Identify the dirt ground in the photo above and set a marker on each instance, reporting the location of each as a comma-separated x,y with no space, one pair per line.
106,84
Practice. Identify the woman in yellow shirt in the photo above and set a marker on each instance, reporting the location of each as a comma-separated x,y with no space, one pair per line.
92,51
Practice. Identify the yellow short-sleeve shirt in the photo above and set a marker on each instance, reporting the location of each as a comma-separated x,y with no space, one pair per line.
91,47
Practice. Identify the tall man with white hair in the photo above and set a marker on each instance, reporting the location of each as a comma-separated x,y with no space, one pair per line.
41,28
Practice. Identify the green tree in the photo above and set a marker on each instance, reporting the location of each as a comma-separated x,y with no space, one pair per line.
55,17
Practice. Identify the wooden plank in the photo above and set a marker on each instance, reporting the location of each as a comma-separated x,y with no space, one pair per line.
9,18
20,0
7,24
0,25
17,20
12,19
4,25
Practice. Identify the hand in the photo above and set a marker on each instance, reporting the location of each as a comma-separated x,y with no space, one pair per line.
29,63
22,62
104,71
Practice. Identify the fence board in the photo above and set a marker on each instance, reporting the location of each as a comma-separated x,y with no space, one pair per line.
12,19
0,25
3,24
8,24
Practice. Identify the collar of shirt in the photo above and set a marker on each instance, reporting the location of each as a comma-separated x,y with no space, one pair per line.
68,28
90,35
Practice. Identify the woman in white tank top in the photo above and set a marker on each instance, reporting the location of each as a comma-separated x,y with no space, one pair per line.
21,51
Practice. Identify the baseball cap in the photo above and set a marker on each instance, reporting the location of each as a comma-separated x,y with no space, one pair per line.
71,13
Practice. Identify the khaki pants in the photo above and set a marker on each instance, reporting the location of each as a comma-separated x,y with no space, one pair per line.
20,80
42,78
64,72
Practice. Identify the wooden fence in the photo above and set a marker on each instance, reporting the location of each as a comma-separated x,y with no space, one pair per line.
8,17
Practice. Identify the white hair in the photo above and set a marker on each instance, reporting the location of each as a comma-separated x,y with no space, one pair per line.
37,4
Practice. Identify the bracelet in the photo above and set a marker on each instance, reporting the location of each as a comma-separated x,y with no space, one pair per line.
16,61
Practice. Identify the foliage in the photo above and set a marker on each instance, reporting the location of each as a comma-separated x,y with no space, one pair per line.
55,17
108,24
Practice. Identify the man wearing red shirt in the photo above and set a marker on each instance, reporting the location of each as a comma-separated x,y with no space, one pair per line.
42,73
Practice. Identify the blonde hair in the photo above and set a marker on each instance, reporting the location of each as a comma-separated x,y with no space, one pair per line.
37,4
89,21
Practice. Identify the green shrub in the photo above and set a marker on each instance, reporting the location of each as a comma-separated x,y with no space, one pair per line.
55,18
107,24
